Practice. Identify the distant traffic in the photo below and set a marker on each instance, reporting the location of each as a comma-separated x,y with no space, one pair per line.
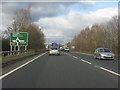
54,49
100,53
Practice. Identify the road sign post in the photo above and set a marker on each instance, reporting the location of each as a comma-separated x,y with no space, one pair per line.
14,50
19,39
10,50
18,49
25,48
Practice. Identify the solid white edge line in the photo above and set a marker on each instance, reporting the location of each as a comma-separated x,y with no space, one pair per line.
109,71
1,77
86,61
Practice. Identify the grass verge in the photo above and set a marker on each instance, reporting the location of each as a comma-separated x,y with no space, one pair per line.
17,56
20,56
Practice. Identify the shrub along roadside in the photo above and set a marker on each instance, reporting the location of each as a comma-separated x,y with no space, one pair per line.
22,56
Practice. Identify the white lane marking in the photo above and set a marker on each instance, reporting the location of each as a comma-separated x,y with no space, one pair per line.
96,66
109,71
86,61
71,55
75,57
67,53
1,77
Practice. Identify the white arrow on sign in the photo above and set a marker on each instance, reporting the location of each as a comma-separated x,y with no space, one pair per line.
17,41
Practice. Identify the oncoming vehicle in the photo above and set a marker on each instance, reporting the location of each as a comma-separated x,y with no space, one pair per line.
103,53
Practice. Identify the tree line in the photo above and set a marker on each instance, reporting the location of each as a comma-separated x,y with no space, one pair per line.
99,35
23,22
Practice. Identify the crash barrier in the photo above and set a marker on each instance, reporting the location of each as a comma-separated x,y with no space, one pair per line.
7,53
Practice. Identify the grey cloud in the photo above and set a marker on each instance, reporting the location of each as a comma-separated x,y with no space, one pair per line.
73,22
47,10
60,23
39,9
51,9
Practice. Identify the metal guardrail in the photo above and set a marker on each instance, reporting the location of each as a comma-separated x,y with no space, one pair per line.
7,53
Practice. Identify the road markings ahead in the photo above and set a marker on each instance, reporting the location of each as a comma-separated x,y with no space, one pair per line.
86,61
67,53
1,77
109,71
112,72
75,57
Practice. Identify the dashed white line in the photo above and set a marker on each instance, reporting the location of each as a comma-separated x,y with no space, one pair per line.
96,66
71,55
67,53
112,72
109,71
75,57
1,77
86,61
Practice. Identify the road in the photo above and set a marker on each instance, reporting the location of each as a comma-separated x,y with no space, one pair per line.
69,70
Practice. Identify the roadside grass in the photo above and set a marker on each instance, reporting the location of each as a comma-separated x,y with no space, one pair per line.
17,56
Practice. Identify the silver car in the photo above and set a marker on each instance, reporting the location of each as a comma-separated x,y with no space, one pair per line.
54,51
66,49
103,53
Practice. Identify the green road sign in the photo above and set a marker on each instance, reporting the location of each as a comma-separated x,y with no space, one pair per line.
19,39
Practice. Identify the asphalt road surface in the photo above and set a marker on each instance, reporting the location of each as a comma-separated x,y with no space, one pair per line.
69,70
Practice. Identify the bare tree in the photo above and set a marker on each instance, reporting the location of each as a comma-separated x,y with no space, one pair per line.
104,35
23,23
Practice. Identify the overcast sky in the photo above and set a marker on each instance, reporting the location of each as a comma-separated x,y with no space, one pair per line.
61,21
